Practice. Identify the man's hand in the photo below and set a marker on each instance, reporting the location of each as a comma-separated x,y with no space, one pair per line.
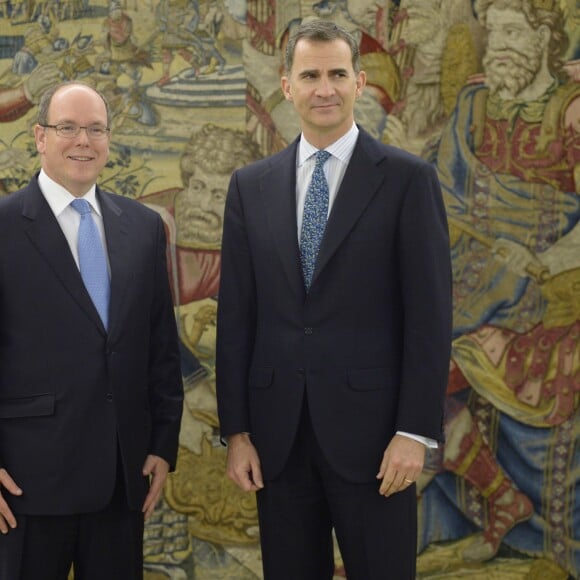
243,464
7,519
401,465
158,469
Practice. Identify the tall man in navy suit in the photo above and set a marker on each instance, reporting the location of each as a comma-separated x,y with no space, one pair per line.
90,382
332,362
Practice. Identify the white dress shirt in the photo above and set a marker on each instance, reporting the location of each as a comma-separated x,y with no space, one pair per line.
334,170
59,200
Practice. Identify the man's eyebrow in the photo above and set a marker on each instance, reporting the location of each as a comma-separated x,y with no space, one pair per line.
309,72
316,72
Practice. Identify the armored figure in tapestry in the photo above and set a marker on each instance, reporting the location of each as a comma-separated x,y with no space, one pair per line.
509,165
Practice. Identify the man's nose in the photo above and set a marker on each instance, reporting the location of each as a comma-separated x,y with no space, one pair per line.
204,199
496,40
83,136
325,87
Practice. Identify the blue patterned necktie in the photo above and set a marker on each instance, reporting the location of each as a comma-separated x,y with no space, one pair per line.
314,218
92,260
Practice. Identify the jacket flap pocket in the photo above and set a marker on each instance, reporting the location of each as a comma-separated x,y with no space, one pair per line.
30,406
368,379
261,377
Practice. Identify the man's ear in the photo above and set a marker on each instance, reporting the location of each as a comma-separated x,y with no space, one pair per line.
361,81
545,34
286,88
40,138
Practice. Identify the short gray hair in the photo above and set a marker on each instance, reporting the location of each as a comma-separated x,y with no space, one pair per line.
46,99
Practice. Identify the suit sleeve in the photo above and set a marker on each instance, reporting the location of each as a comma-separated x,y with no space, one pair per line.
425,277
165,381
236,325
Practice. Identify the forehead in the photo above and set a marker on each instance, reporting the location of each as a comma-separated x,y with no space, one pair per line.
76,100
211,178
504,17
322,55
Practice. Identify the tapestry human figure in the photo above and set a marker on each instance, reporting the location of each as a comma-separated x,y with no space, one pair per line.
508,164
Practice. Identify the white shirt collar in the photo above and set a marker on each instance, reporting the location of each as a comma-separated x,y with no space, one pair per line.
341,149
59,198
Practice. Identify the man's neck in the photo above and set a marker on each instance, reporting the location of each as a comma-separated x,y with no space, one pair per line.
322,139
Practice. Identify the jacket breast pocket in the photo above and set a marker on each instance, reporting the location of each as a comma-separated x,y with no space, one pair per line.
260,377
27,406
374,379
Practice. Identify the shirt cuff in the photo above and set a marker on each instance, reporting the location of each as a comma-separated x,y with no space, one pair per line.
431,443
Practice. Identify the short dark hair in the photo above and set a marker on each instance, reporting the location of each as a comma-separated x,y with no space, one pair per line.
46,99
321,31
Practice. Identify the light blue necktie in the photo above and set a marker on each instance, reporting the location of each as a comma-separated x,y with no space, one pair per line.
92,260
314,218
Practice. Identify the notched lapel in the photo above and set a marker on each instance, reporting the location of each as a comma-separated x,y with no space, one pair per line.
45,233
116,228
278,193
359,185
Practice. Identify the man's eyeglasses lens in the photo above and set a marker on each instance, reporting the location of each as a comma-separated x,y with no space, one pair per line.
69,130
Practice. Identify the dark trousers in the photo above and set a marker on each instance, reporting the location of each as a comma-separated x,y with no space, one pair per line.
107,544
297,511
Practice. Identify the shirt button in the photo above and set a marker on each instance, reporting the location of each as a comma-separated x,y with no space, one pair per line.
308,330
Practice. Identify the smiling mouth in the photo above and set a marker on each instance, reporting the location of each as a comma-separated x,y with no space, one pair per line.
80,158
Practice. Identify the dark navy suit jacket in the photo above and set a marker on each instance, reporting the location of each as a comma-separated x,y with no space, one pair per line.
71,394
369,344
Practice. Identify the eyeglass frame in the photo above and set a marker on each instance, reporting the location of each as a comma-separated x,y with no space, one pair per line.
79,127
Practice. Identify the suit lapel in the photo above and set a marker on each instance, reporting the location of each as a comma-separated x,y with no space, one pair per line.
116,229
279,202
359,185
46,235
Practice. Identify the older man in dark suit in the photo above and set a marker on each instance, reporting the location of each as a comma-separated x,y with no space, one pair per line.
90,382
334,329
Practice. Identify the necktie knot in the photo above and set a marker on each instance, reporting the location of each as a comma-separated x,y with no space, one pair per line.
82,206
321,157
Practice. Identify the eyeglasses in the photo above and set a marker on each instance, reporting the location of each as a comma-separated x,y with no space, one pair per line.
71,130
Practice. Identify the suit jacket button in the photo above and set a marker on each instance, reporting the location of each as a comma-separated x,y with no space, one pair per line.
308,330
109,397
